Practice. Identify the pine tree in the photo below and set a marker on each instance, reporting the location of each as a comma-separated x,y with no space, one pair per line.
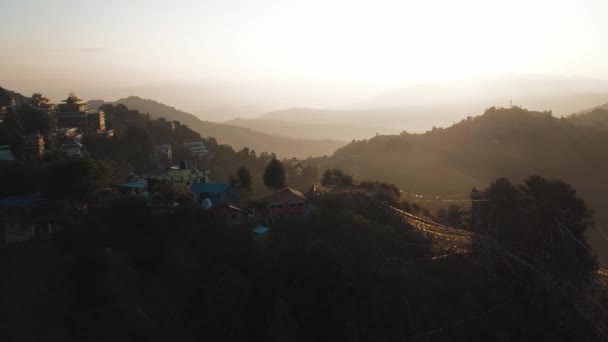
274,175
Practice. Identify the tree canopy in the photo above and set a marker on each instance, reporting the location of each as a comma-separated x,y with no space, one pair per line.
244,177
542,220
274,175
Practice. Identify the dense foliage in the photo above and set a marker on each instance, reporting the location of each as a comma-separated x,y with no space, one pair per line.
542,221
346,273
274,175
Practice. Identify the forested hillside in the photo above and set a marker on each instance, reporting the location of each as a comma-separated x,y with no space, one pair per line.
237,137
512,143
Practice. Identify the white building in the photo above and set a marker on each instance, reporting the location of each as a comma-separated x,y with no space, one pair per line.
197,148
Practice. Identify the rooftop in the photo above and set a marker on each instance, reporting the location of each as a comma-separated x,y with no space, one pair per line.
260,230
19,201
210,188
72,98
289,190
135,185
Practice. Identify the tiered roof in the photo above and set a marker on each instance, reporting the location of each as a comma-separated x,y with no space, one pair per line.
72,98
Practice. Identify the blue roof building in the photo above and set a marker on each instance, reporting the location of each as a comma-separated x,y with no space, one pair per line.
134,185
216,192
139,187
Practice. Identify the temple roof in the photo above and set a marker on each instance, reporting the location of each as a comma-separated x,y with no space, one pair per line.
72,98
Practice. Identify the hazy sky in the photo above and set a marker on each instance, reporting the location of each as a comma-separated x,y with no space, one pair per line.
378,43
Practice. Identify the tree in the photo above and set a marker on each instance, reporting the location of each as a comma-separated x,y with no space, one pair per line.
336,177
274,175
77,180
540,220
328,178
11,133
244,177
35,121
5,99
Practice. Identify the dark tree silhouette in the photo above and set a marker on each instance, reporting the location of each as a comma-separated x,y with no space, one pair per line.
328,178
541,220
274,175
5,99
244,177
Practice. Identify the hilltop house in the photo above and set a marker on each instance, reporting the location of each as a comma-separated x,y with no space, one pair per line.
23,217
286,202
180,175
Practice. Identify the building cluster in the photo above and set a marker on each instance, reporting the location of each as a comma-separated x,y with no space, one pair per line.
71,119
23,217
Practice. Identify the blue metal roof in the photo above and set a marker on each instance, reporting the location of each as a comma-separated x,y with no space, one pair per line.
19,201
260,230
210,188
139,185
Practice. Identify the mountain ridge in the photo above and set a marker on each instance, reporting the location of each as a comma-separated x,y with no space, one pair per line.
235,136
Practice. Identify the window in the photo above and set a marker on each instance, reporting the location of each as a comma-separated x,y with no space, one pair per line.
293,205
300,204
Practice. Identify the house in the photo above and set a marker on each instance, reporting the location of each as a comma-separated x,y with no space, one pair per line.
286,202
197,148
6,154
23,217
33,146
216,193
180,175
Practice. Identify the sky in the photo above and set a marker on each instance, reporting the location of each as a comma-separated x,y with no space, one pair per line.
357,46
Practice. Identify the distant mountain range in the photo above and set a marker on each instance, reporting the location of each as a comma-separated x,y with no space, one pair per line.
418,108
237,137
308,123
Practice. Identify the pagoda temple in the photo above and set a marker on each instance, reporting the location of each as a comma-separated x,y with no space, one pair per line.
41,102
74,112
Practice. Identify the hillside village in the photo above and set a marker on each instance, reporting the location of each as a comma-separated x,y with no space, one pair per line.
64,131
